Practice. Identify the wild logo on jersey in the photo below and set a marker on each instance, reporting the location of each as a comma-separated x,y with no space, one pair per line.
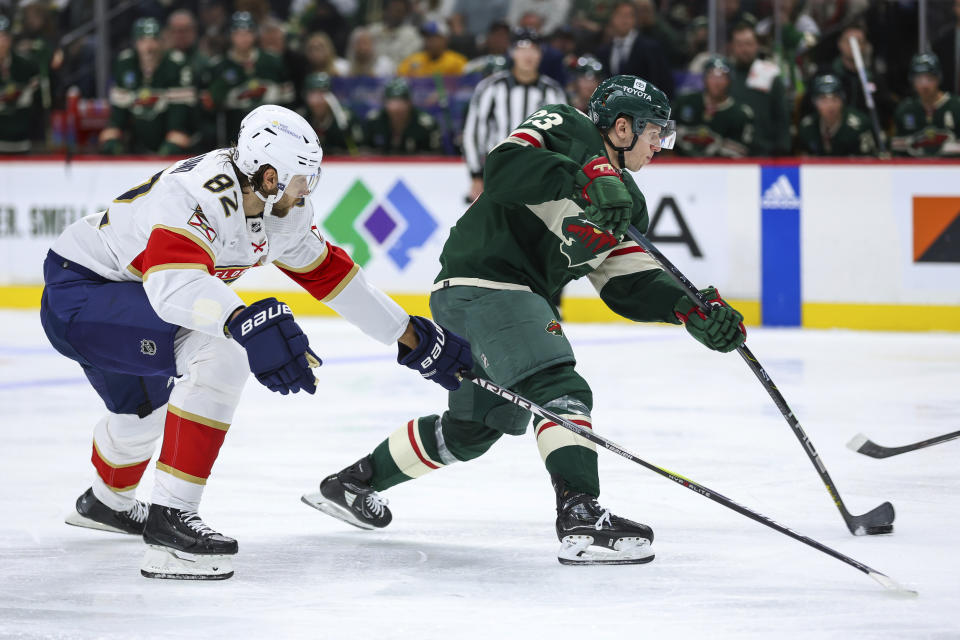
554,327
582,241
200,221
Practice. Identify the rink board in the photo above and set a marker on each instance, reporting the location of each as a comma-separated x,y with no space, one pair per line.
871,246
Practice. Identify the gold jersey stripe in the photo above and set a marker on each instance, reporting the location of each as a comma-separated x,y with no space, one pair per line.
191,236
343,283
174,265
307,269
176,473
209,422
111,464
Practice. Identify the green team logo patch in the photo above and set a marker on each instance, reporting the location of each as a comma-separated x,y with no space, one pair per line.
583,242
554,327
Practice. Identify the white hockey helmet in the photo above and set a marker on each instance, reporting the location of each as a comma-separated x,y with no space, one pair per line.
276,136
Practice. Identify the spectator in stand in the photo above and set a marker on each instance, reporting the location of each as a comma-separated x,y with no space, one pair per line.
589,19
436,58
502,101
37,41
945,43
834,129
399,128
20,79
587,75
697,41
631,53
757,84
180,35
553,13
551,58
246,78
845,69
336,127
396,38
711,123
322,57
927,124
273,39
153,98
651,25
363,59
496,44
325,16
477,18
214,21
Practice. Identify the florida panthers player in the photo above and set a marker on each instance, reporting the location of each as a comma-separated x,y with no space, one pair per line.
138,296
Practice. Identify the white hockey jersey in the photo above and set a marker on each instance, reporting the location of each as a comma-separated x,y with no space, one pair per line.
183,233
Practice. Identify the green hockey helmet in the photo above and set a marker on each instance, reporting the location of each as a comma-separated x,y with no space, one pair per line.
397,88
634,98
827,85
588,65
317,80
494,63
243,21
716,63
4,24
925,63
146,28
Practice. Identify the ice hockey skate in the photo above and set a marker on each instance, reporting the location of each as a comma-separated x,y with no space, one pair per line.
182,547
93,514
347,496
590,534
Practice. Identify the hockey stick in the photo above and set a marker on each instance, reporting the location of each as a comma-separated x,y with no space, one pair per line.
875,521
867,93
510,396
866,446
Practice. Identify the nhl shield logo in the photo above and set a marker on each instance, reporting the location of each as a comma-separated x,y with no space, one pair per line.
148,347
554,327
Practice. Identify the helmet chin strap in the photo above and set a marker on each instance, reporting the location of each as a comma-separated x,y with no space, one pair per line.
267,201
621,160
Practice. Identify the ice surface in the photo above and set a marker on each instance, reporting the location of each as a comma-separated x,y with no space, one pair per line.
472,552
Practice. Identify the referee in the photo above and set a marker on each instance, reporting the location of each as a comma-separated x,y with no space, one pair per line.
502,101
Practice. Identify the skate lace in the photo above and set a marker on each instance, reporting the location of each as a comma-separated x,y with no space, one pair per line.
192,520
138,512
376,503
604,518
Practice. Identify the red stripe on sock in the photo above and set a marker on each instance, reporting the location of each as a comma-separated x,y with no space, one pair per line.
118,477
189,446
546,425
416,449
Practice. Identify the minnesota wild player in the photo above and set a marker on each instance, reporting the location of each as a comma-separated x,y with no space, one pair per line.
927,124
712,123
555,206
834,129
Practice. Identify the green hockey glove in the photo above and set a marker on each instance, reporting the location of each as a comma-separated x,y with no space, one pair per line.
722,330
608,203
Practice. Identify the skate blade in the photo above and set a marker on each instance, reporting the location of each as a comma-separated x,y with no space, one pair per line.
169,564
78,520
576,550
320,503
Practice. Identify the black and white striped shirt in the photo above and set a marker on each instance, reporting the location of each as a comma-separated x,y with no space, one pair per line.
499,104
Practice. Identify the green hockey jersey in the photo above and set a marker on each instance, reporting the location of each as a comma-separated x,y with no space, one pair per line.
921,134
527,230
725,131
421,135
19,84
149,107
852,137
238,88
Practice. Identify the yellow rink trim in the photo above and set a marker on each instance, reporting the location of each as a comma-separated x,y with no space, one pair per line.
816,315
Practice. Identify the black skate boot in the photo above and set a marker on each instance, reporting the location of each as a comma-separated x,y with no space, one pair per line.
347,496
93,514
584,528
182,547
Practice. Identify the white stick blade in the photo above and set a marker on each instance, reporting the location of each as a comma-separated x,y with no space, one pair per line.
857,441
892,585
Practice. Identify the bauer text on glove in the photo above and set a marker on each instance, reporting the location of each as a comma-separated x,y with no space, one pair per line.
278,351
440,354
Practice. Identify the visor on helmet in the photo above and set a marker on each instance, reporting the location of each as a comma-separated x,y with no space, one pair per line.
664,138
301,185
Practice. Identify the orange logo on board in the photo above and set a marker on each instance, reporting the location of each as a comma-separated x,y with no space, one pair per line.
936,228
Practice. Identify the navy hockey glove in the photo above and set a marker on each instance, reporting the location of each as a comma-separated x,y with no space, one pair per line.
608,203
722,330
439,356
278,351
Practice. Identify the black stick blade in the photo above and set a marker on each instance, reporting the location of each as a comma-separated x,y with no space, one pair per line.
862,444
877,521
